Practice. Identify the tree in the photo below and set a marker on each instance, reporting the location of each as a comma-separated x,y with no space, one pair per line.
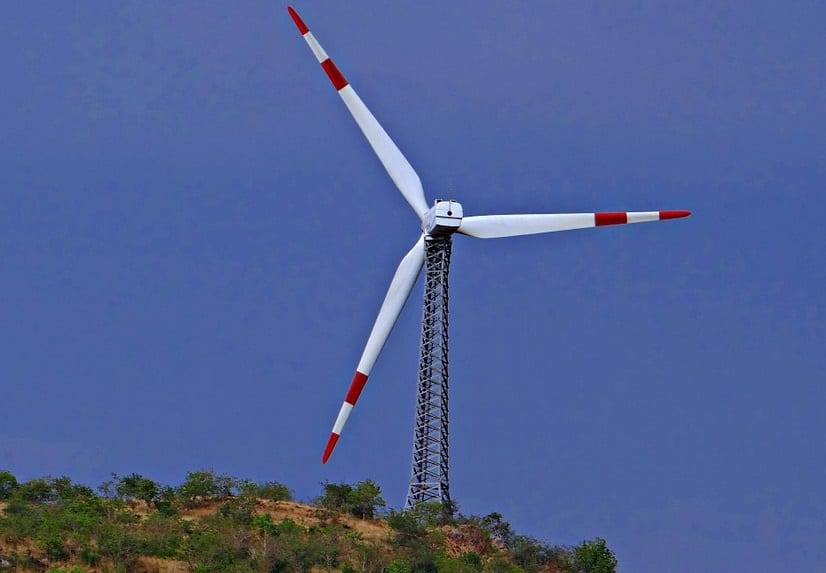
8,483
226,486
239,510
593,557
528,553
107,488
365,499
361,501
434,513
50,490
409,529
136,486
37,491
335,496
203,485
65,490
271,490
275,491
418,526
498,528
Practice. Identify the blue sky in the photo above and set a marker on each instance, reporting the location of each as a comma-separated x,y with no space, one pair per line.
195,239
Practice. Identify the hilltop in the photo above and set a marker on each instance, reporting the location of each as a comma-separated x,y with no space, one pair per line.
215,523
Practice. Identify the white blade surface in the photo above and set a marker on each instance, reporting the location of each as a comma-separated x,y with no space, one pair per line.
397,295
496,226
397,166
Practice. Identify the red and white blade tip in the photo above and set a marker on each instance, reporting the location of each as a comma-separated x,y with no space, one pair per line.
331,443
356,386
674,214
622,217
302,27
335,75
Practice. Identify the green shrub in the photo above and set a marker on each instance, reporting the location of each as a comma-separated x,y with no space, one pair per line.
135,486
407,526
80,516
65,490
165,501
271,490
52,546
335,496
397,565
205,485
450,565
433,513
119,544
365,499
209,550
238,510
319,547
35,491
161,535
19,522
90,555
362,500
472,560
502,565
8,483
498,528
528,553
593,557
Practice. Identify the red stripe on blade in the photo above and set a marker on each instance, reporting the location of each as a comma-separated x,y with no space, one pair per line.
674,214
356,386
610,219
335,76
302,27
331,443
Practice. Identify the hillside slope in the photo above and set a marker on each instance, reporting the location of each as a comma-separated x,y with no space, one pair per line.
213,523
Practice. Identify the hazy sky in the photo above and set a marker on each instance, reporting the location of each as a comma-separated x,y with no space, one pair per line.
195,240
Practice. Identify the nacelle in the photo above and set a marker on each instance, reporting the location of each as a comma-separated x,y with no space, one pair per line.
443,218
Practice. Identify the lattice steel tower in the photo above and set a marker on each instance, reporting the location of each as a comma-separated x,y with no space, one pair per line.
429,476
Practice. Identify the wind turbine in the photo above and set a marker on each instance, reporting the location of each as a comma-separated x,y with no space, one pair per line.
429,475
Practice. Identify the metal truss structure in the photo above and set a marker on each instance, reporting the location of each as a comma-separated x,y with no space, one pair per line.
429,475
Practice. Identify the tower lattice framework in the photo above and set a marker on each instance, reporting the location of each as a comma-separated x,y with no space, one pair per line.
429,476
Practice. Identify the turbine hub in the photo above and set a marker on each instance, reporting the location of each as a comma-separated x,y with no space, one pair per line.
443,218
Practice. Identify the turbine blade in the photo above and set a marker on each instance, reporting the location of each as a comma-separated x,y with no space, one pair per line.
495,226
397,166
397,295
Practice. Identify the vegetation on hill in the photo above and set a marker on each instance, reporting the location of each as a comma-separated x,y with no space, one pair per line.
217,523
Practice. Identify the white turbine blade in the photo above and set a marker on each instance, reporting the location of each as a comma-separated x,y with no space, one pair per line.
495,226
397,166
397,295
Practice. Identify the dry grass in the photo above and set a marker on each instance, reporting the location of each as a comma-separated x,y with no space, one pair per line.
307,515
457,539
158,565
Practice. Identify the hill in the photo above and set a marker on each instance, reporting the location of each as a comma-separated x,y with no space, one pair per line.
215,523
